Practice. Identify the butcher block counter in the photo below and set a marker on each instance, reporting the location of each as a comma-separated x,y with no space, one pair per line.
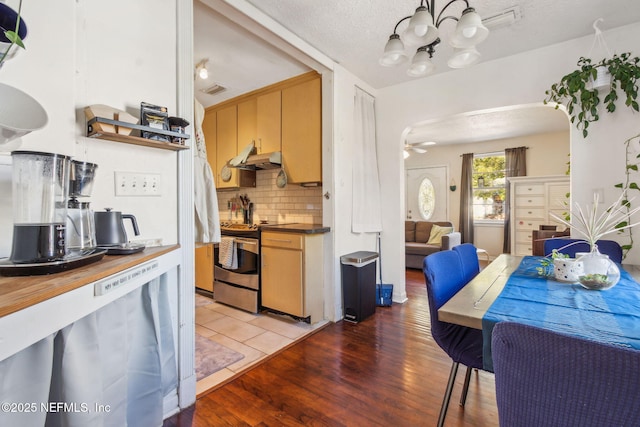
93,337
17,293
32,307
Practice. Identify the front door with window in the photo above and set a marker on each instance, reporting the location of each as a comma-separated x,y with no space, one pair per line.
426,194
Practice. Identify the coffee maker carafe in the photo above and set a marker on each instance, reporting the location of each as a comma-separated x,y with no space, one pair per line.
81,230
39,188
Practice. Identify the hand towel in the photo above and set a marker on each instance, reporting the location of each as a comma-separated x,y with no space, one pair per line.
227,255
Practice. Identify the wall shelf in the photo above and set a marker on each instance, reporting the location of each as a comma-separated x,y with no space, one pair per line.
93,132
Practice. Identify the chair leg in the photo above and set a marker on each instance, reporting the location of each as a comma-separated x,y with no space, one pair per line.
465,388
447,394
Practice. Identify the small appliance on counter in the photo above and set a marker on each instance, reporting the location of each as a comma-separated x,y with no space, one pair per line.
111,234
40,183
81,230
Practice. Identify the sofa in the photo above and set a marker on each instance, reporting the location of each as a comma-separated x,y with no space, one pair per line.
419,241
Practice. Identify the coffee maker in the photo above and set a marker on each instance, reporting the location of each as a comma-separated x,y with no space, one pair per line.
43,214
39,191
80,224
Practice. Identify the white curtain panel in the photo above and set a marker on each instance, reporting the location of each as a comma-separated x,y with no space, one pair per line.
25,379
366,182
113,367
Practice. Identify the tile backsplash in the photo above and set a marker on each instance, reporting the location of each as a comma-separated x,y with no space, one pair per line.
291,204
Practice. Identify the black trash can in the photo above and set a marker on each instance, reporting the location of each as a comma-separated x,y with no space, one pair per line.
358,271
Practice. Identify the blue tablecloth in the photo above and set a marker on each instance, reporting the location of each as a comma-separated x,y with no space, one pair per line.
611,316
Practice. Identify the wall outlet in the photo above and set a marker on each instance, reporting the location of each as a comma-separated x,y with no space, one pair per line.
137,184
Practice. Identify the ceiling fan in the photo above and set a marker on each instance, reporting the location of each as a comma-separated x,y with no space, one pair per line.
416,147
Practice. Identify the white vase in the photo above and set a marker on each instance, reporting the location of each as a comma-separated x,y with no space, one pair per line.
602,80
567,269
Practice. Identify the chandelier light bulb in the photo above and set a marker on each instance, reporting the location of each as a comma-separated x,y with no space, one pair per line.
394,52
421,64
469,31
463,57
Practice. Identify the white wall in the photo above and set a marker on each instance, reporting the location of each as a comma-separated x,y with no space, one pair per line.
84,52
345,241
515,80
548,154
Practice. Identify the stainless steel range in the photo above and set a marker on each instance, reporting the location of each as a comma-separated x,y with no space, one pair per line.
239,287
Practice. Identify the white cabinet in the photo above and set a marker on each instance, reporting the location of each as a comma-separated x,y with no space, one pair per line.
532,198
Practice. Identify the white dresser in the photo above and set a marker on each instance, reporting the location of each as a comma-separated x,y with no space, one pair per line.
532,198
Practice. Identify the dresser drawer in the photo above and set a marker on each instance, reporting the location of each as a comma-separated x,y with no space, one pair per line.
530,213
523,249
525,224
531,200
524,236
525,189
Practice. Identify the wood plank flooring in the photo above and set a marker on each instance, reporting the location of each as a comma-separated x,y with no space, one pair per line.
384,371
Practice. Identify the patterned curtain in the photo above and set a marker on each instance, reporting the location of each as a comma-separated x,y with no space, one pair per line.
516,165
466,199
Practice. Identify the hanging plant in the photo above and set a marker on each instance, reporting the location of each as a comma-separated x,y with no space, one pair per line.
579,95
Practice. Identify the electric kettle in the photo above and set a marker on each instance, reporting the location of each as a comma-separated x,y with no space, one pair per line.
110,227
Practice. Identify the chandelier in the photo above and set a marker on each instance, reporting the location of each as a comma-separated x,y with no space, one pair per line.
422,31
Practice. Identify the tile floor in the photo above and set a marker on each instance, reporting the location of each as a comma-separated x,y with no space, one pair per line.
257,336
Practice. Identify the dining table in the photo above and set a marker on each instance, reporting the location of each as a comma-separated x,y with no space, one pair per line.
513,288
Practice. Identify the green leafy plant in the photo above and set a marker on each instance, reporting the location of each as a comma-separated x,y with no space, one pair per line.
546,263
631,168
576,92
13,37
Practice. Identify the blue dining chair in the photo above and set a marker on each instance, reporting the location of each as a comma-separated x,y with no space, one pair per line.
544,378
606,247
444,277
469,259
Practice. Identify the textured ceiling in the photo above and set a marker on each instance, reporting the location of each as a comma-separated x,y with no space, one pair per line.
354,32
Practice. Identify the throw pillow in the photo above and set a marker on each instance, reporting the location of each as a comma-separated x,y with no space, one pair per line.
435,238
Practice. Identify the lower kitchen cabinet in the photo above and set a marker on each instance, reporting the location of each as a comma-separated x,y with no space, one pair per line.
204,266
292,274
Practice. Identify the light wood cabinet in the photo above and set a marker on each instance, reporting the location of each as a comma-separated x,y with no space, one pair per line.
259,121
227,148
532,199
268,122
204,266
247,122
292,274
302,131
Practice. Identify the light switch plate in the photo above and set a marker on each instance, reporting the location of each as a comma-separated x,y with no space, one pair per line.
137,184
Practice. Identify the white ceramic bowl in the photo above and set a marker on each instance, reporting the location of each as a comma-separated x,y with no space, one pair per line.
19,114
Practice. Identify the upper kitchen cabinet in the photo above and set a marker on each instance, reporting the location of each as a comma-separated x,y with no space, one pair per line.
259,121
302,131
269,122
227,149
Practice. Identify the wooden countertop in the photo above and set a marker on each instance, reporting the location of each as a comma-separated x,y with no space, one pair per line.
296,228
17,293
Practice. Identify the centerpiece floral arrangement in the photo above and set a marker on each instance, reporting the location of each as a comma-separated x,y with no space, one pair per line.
592,225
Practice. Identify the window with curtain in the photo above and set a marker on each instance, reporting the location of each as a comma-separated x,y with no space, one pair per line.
489,187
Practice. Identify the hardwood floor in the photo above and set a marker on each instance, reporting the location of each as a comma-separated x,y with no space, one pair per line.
384,371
